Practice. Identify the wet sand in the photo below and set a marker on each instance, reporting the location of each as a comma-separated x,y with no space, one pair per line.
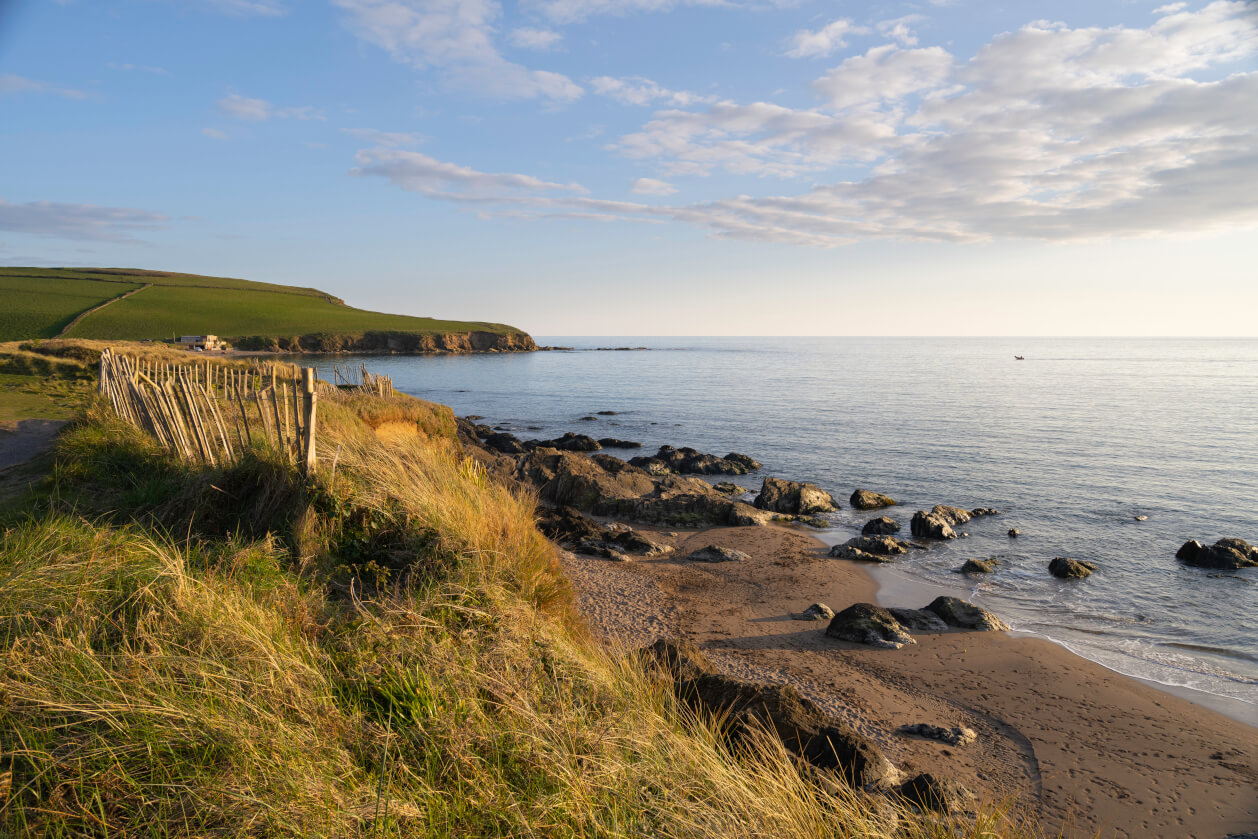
1071,743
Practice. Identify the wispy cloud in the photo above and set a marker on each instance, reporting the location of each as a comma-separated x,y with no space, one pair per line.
389,139
139,68
77,221
11,85
527,37
457,38
259,110
651,186
807,43
635,90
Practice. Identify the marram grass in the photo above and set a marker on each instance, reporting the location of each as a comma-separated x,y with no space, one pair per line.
158,681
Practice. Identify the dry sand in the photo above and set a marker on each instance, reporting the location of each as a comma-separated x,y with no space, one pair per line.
1078,746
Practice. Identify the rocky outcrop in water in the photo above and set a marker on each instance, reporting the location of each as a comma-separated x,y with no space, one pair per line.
794,498
870,548
613,443
965,615
881,526
745,708
979,566
687,461
926,525
863,499
569,442
865,623
1225,554
1070,569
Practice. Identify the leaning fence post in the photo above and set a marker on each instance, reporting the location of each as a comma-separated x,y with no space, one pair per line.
308,408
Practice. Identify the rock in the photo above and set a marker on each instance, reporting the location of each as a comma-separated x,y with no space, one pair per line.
589,419
716,553
984,511
952,736
951,515
819,522
745,515
1226,554
964,615
865,623
1073,569
606,413
651,465
613,443
926,525
727,488
570,442
1142,518
794,498
745,708
849,552
1014,533
918,620
931,793
473,417
750,464
816,612
979,566
501,441
881,545
881,526
603,549
483,431
566,525
634,542
687,461
863,499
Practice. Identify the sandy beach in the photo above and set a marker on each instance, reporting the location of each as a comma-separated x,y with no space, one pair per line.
1081,748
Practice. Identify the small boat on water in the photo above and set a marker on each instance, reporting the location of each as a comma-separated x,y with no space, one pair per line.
1020,357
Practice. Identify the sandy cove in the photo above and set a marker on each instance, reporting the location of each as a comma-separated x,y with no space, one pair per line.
1075,745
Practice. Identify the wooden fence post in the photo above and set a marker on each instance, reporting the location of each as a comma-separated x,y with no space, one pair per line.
308,408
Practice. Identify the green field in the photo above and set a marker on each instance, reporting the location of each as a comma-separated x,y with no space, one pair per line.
40,307
39,302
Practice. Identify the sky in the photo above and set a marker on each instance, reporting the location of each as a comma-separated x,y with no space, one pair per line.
655,167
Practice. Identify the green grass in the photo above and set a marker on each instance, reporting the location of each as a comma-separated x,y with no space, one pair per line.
42,301
163,311
40,307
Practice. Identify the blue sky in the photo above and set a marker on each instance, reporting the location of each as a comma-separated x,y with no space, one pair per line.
642,167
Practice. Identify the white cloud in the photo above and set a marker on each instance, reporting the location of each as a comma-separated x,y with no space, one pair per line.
249,8
527,37
77,221
259,110
900,29
139,68
242,107
574,11
1047,133
455,36
13,85
391,139
809,44
215,134
651,186
635,90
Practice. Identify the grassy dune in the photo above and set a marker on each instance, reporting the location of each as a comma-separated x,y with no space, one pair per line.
40,302
387,650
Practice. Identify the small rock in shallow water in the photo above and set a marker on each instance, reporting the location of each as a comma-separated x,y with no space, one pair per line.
883,545
958,736
1071,569
729,488
1014,533
716,553
979,566
1142,518
816,612
1225,554
863,499
881,526
865,623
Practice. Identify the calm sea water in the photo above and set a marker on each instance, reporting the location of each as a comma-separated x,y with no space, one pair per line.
1071,444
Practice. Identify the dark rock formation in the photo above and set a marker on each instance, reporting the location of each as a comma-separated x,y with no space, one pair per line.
958,736
1226,554
606,413
865,623
984,511
566,525
727,488
863,499
931,793
1014,533
881,526
588,419
849,552
716,553
794,498
613,443
816,612
926,525
881,545
964,615
918,620
570,442
687,461
501,441
745,708
1072,569
979,566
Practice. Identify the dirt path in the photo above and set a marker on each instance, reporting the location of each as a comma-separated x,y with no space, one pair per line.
1067,740
22,440
100,306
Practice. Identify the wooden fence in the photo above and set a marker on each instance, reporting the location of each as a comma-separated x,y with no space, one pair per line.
362,379
210,412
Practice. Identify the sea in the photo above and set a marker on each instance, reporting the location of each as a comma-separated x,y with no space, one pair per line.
1071,444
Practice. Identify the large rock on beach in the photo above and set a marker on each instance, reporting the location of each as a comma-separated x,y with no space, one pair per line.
1225,554
865,623
745,708
816,612
716,553
883,545
918,620
1070,569
566,525
956,736
965,615
794,498
863,499
881,526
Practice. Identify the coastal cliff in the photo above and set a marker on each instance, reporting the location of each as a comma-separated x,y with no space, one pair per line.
402,343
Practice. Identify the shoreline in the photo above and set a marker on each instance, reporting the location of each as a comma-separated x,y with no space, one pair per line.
1067,740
